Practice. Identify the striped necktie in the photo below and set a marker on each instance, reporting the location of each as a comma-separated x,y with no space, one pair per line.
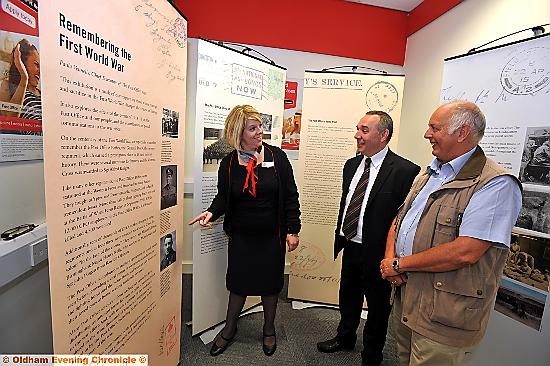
349,226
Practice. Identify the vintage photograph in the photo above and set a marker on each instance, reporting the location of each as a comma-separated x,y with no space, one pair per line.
267,126
522,304
267,122
170,123
214,149
535,213
167,250
528,261
169,191
535,161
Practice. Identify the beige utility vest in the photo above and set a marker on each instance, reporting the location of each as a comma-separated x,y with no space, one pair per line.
451,307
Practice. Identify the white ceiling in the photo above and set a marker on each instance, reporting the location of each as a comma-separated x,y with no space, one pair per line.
403,5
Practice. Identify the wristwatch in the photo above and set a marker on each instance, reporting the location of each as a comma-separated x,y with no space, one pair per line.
395,265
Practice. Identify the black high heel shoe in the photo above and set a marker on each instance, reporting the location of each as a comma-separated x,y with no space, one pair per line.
269,350
218,350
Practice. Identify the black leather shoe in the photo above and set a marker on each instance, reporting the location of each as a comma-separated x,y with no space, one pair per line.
218,350
334,345
269,350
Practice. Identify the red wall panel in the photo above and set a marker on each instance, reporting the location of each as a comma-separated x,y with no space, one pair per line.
332,27
427,12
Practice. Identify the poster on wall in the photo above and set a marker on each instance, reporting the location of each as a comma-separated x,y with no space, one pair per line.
327,141
292,118
225,78
114,106
20,87
511,85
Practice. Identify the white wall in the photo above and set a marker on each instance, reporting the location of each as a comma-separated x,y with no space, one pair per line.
468,25
21,193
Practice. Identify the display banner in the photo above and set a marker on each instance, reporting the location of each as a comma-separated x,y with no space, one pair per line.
20,90
333,104
225,78
114,108
511,85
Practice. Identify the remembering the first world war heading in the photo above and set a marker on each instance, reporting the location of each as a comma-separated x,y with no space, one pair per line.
110,53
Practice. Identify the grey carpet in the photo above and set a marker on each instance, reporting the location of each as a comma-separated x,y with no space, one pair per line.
298,331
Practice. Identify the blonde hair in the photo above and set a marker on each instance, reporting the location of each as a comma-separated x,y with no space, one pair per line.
235,123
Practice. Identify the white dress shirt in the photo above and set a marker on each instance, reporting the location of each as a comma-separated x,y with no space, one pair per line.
375,164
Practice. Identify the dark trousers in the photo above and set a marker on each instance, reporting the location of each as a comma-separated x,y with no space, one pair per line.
357,282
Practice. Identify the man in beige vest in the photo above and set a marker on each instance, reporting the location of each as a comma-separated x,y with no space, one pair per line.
449,243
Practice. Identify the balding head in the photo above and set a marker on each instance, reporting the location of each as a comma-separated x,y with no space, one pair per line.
454,129
463,113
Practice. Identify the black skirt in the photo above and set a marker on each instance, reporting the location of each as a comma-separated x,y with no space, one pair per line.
255,265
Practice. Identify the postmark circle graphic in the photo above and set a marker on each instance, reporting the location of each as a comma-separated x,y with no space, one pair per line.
382,96
527,72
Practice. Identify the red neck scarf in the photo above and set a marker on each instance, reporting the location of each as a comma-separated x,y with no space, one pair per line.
250,157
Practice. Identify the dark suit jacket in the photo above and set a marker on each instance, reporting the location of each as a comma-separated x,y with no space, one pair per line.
389,190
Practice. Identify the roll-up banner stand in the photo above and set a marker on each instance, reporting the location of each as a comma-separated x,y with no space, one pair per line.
333,104
225,78
114,94
511,85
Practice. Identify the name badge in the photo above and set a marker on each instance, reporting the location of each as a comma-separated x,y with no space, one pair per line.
268,164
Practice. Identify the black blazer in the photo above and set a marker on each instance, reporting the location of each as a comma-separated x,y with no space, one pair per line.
288,206
389,190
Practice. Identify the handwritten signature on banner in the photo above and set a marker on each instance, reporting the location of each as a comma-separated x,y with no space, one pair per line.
166,33
486,96
450,93
309,257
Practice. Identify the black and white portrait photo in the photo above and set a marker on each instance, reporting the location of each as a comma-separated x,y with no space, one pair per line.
169,191
167,250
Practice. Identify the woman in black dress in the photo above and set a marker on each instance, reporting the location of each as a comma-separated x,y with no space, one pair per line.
258,195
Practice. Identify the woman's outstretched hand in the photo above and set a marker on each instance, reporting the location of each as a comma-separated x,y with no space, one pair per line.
203,219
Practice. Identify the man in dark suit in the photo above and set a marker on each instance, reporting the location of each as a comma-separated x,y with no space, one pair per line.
375,183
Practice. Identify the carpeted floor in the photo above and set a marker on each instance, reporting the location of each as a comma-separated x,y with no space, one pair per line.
298,331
